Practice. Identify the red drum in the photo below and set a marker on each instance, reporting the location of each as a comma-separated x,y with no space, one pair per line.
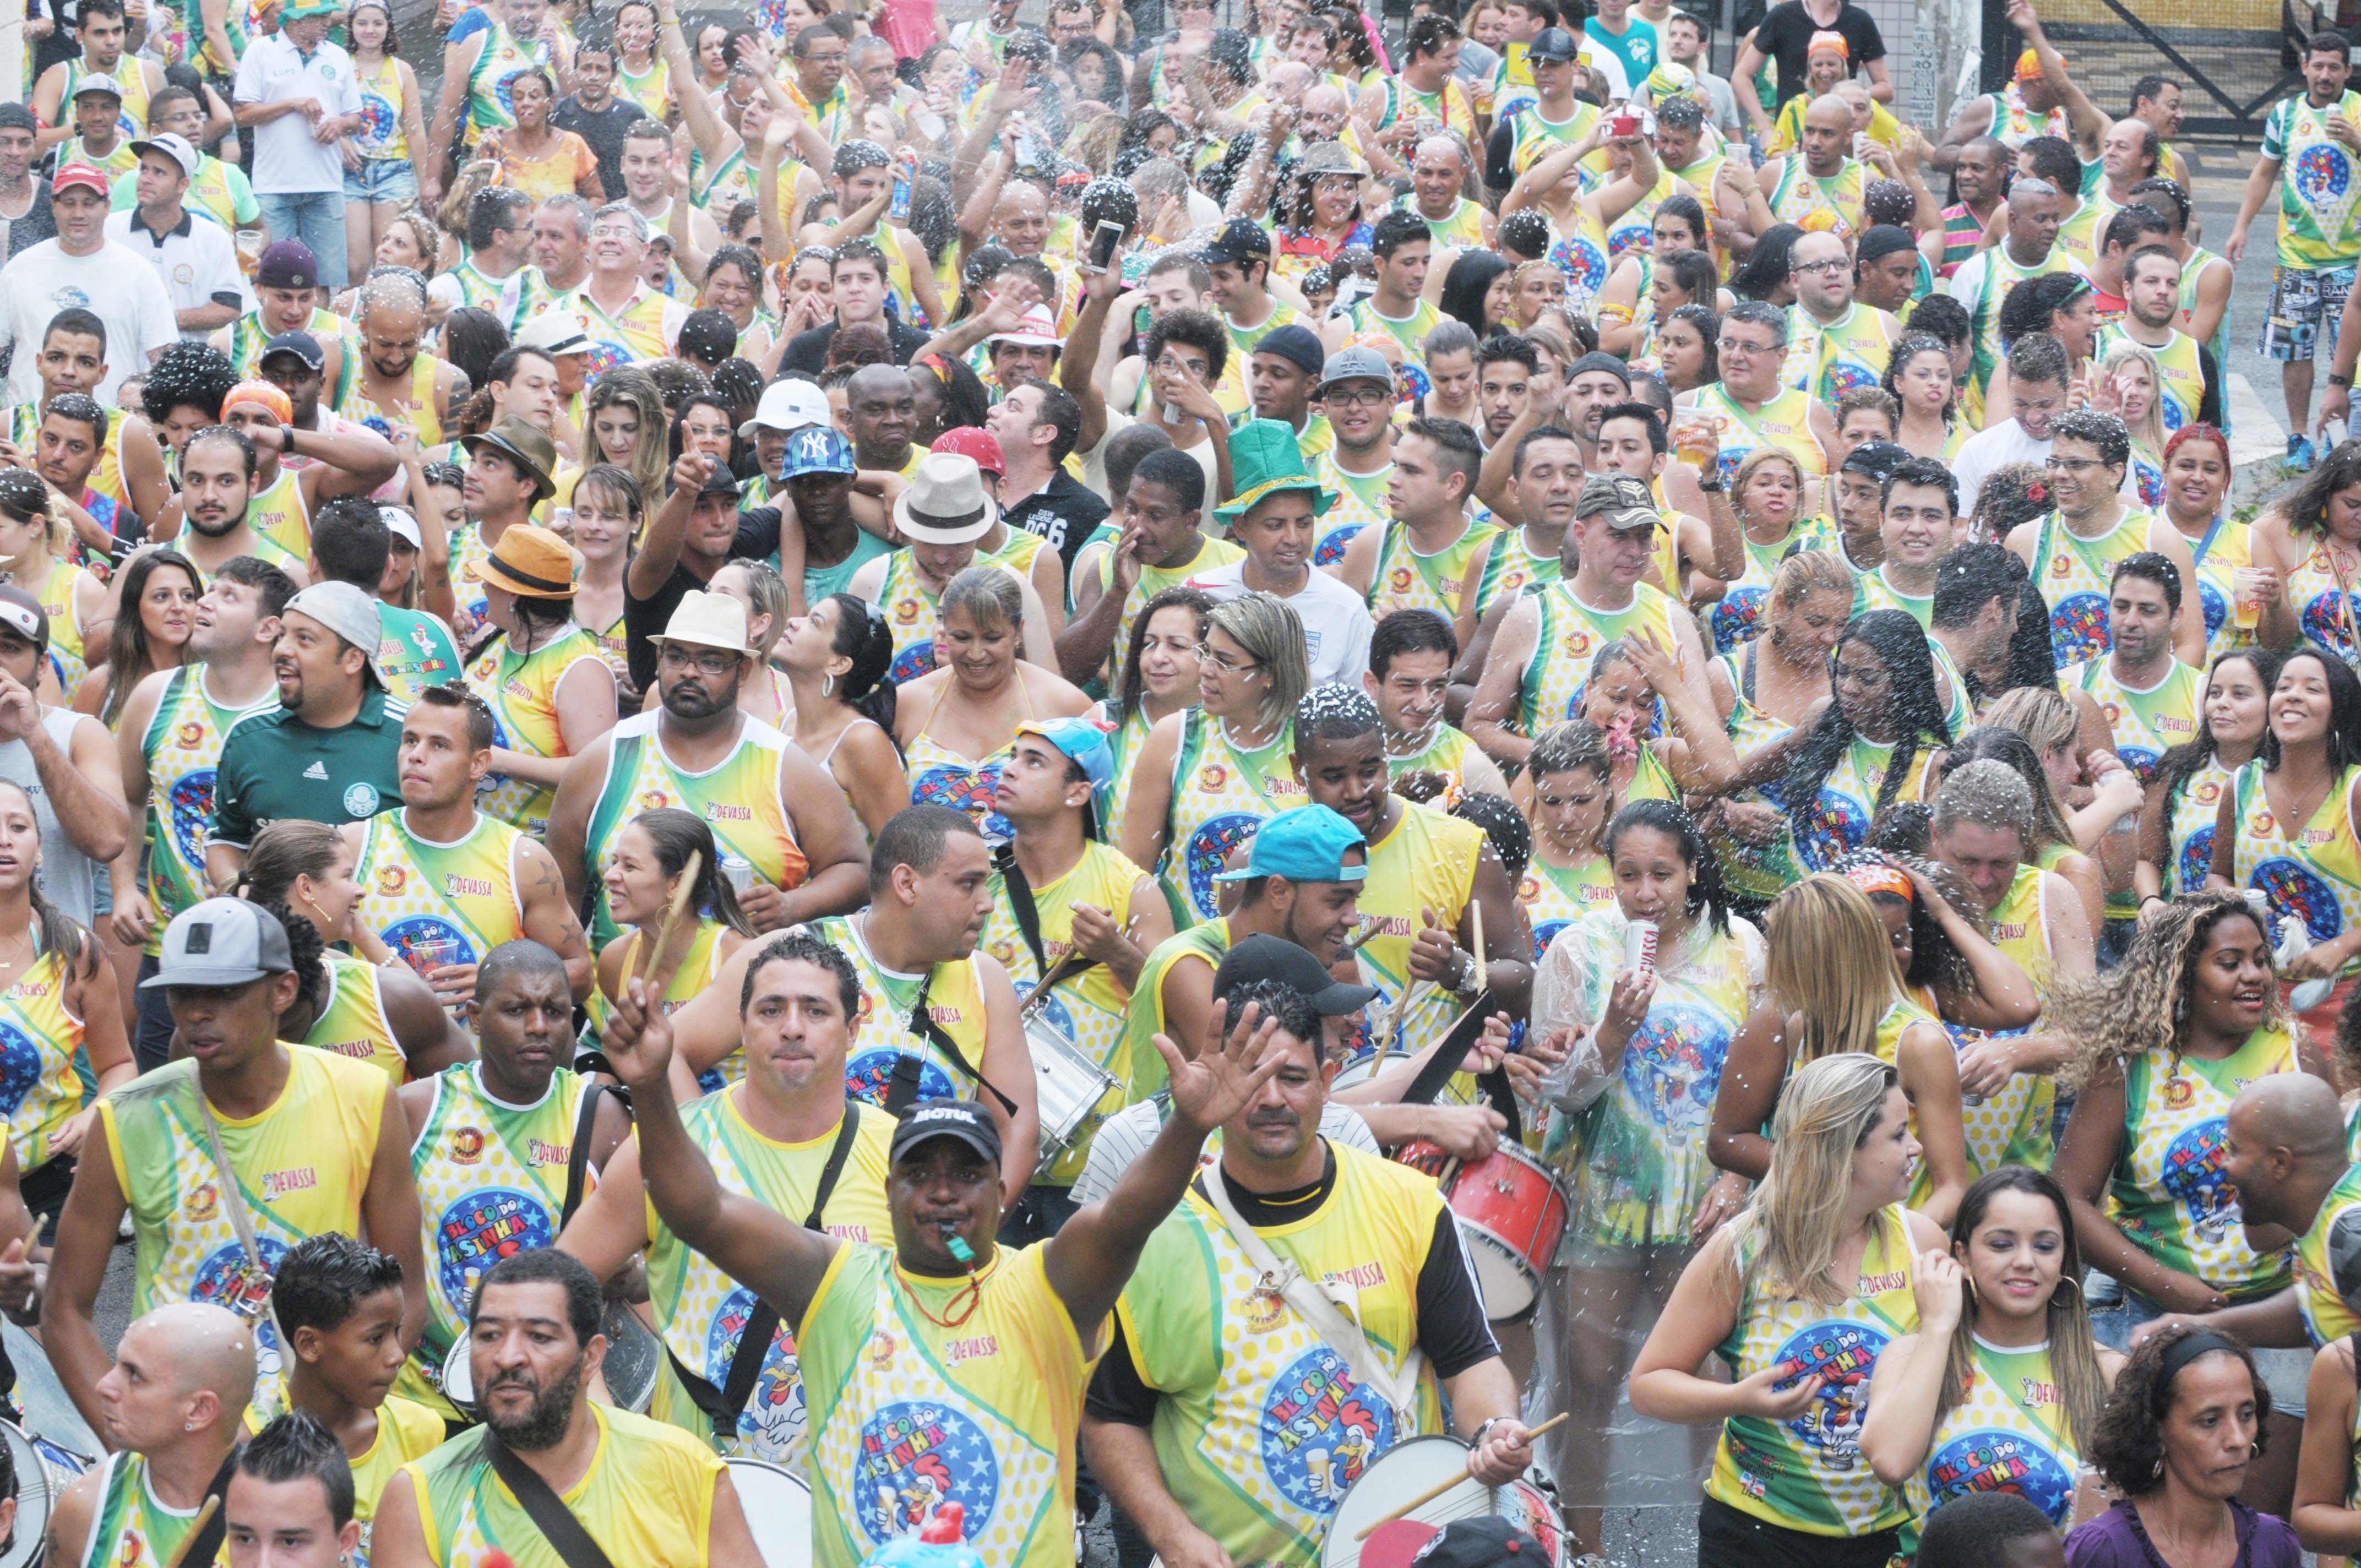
1511,1210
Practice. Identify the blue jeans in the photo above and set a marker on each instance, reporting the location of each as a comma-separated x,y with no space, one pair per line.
315,217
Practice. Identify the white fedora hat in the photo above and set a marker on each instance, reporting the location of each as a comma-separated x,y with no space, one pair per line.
945,502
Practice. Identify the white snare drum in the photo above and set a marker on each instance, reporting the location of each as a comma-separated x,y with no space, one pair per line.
43,1471
459,1377
777,1506
1417,1464
1076,1094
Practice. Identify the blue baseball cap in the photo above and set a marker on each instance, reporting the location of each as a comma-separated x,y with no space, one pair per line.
817,449
1084,743
1306,844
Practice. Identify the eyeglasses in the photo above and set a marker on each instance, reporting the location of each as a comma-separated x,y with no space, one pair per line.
1223,662
1731,345
707,661
1363,397
1832,265
2070,465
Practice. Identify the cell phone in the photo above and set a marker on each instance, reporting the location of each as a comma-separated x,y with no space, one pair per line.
1103,240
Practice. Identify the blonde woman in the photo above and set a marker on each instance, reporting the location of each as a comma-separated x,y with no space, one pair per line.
765,594
1798,1295
626,428
2080,794
2128,383
2002,1386
1835,990
1208,776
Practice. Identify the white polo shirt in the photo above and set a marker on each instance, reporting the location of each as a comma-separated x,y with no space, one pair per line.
197,261
287,160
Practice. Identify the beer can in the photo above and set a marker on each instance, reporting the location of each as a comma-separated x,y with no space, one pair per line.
1640,945
739,871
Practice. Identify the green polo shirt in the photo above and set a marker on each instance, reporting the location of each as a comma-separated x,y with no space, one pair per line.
275,766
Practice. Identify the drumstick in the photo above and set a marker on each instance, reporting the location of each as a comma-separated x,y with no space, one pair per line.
196,1528
672,912
1433,1492
1476,914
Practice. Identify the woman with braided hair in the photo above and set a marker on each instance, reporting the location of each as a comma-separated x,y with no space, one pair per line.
371,1007
2166,1041
1872,745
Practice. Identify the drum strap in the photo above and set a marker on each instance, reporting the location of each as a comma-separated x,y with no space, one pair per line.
578,1163
566,1534
723,1405
234,1199
201,1546
902,1088
1021,904
1329,1314
1445,1062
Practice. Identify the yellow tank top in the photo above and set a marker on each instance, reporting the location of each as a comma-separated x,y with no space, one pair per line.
68,657
954,994
415,891
1554,898
1404,579
419,417
1426,860
279,515
406,1430
44,1077
2313,874
2074,574
2323,607
380,135
2014,1126
1221,793
522,690
1784,422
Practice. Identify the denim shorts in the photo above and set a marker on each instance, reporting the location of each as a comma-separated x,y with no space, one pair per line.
2116,1312
387,179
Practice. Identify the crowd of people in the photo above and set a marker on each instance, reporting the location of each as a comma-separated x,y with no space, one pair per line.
795,784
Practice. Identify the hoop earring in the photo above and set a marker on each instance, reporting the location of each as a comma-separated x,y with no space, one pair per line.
828,685
2066,1280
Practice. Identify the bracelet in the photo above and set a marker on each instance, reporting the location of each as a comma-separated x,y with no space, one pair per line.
2336,380
1483,1430
1714,486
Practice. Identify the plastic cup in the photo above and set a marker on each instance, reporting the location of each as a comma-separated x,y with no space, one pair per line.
424,958
2246,600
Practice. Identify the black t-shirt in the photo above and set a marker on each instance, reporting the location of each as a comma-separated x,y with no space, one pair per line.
36,225
1063,512
758,536
1451,1326
808,351
1785,38
604,132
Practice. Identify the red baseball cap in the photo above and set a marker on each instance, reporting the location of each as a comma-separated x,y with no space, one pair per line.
88,175
976,442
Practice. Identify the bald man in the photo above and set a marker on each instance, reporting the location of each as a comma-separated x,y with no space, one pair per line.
1821,175
2286,1156
172,1409
396,387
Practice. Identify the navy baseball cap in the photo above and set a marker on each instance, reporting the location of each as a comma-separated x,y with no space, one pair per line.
817,449
964,1120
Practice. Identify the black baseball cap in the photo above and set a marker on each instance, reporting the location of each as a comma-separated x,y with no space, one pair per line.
1276,959
965,1119
301,345
1241,239
1296,344
1552,44
1876,460
1484,1541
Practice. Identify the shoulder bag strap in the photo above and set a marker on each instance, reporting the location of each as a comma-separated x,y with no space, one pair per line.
578,1164
723,1405
566,1534
234,1200
1021,904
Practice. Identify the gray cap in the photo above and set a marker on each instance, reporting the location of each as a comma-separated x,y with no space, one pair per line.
347,611
222,941
1355,365
1625,500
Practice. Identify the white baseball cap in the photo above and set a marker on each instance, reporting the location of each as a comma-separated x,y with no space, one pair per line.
789,404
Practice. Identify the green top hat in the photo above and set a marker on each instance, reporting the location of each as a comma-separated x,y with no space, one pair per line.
1264,457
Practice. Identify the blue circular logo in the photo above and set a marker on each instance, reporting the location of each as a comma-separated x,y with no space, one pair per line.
964,788
868,1074
2197,857
1674,1065
1839,825
1331,548
914,1456
2323,622
1321,1430
1994,1460
1544,934
380,119
224,1279
2322,172
1844,1354
1585,266
2196,1173
1052,1009
2141,759
1628,236
911,661
605,356
20,1067
480,1228
1737,618
406,936
188,805
2216,603
1208,849
2078,627
773,1417
2296,889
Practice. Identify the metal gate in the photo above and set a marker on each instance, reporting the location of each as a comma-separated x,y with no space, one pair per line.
2248,48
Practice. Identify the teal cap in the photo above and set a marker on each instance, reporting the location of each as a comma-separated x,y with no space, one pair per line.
1084,743
1306,844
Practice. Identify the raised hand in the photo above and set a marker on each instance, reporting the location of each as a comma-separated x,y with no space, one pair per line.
1228,1072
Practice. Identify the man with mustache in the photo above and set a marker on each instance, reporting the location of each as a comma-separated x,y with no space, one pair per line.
783,1136
1192,1348
316,1131
482,1137
643,1491
994,1342
219,467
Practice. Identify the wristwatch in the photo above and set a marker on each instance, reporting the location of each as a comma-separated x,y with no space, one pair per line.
2336,380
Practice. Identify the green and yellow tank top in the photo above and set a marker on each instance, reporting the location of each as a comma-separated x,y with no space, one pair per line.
406,1430
1360,503
129,76
44,1079
2170,1192
497,64
633,335
301,1165
1405,579
2323,607
1635,1158
1800,194
738,797
1221,793
132,1528
1999,275
2318,223
698,969
1086,1008
1426,860
69,657
1753,871
2014,1126
2074,575
1807,1474
417,417
2313,875
1409,331
650,89
1263,1426
1510,568
882,1035
2226,546
1555,897
1536,138
2147,724
906,1414
2183,392
183,746
1460,229
352,1021
249,332
1445,752
278,515
701,1311
521,691
1143,1014
2327,1318
1875,590
417,890
380,135
647,1497
912,610
1786,421
1830,359
1849,799
1570,633
2009,1433
2196,809
1737,616
1153,580
491,1183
